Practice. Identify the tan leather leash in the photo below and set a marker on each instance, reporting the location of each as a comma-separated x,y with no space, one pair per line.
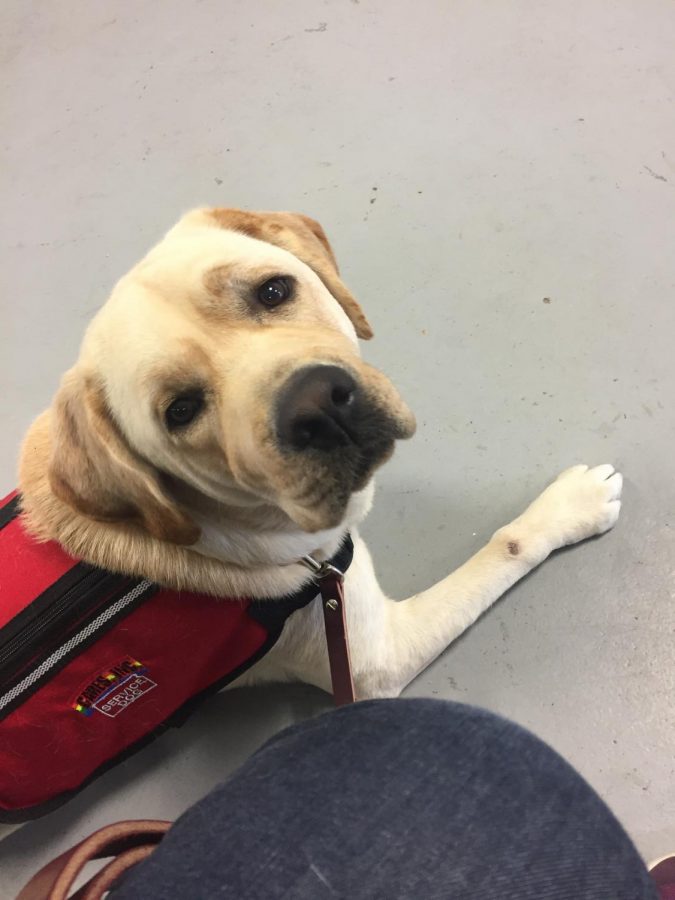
127,842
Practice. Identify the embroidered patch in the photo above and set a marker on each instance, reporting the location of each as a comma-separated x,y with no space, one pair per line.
113,690
118,698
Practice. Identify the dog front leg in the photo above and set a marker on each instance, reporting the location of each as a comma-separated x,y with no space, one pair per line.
582,502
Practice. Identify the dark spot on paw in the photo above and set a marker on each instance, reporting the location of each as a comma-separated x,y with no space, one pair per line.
514,548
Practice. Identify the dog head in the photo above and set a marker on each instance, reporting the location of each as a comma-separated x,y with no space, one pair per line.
227,360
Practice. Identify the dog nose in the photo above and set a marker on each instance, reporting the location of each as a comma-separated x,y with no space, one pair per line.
316,409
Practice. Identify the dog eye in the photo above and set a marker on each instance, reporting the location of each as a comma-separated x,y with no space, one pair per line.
182,411
274,292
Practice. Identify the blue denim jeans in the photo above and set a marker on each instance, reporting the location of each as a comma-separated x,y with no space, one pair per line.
397,800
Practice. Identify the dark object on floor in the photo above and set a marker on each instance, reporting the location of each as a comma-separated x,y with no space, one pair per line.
663,875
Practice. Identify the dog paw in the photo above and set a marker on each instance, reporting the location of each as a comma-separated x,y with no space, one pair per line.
580,503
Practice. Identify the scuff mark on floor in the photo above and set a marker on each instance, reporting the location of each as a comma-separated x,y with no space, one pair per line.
655,174
288,37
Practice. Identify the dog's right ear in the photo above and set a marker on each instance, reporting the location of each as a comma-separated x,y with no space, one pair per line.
95,471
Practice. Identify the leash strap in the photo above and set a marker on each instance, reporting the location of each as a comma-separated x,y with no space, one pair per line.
128,842
331,585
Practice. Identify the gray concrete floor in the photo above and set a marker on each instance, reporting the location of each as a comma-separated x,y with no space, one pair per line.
499,183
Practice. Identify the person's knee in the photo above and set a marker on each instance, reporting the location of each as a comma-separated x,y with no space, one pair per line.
402,728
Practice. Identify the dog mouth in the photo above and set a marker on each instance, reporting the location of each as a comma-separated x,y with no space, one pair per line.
333,432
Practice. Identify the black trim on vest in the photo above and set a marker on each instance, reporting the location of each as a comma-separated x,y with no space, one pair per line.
69,582
10,511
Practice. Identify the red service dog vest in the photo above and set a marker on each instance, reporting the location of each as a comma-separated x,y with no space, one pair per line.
94,665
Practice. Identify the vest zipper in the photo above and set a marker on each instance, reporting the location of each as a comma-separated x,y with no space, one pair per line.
81,630
63,610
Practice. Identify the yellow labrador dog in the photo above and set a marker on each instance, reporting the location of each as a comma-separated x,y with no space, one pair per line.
220,424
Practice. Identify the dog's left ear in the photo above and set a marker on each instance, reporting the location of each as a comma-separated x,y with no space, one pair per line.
304,238
94,470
